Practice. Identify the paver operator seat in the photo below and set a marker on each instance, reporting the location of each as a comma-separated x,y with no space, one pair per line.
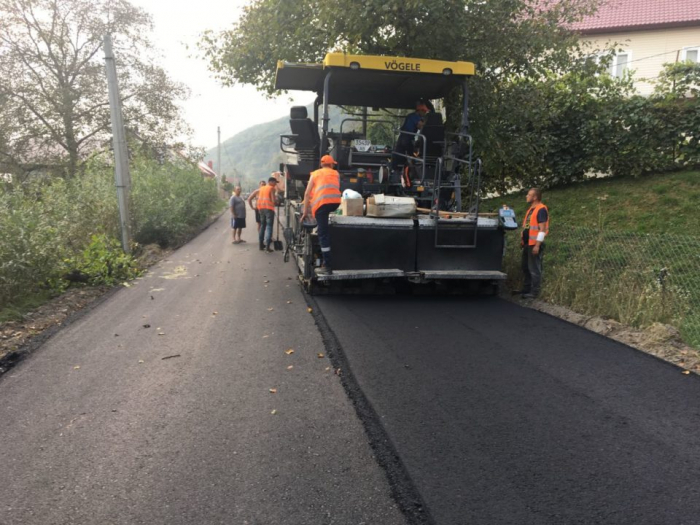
434,133
307,140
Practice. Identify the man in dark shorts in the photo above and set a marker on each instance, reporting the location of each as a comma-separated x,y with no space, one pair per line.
255,205
237,206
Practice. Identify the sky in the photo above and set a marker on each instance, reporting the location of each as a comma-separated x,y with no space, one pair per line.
178,24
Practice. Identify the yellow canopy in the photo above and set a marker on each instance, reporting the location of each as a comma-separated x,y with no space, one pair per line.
375,81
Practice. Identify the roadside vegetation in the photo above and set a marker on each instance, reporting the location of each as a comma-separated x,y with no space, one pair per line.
58,232
653,203
627,249
624,243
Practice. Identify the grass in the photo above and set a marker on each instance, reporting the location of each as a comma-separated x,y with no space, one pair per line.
666,203
628,249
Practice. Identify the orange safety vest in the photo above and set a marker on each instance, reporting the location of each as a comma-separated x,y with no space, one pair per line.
534,226
266,198
326,188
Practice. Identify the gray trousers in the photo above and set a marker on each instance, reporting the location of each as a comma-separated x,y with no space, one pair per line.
532,270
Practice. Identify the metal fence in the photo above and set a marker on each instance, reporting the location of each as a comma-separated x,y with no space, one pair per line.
637,279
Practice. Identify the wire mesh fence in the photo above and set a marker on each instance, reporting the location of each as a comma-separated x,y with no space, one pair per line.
637,279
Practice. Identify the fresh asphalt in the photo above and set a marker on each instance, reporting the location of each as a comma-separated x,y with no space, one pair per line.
504,415
446,410
189,439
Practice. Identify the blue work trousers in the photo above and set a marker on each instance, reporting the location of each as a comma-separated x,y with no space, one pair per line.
324,235
267,219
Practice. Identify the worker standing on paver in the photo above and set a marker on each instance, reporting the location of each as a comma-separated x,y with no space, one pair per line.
535,229
266,202
322,198
405,141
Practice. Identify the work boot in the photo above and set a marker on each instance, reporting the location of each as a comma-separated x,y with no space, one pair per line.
268,249
262,246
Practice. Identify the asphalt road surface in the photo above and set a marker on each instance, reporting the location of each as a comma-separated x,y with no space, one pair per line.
446,410
504,415
190,439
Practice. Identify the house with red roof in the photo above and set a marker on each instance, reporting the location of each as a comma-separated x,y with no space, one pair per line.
650,33
207,170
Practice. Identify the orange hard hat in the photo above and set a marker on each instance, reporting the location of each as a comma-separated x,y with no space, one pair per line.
327,159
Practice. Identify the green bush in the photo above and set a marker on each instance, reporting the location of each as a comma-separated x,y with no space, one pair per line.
168,201
564,128
30,243
103,262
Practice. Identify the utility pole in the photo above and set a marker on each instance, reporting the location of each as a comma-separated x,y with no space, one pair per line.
218,158
122,176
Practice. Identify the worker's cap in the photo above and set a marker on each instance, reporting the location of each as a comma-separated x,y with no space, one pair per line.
327,159
271,179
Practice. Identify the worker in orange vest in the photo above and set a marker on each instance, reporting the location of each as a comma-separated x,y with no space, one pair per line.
266,201
535,230
322,198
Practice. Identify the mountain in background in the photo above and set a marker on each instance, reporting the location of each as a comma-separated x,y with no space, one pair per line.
254,153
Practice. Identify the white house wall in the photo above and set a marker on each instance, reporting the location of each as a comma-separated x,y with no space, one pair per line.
650,50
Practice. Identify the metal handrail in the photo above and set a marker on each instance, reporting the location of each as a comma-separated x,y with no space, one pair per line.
282,143
458,136
369,119
437,181
423,159
473,183
340,139
479,166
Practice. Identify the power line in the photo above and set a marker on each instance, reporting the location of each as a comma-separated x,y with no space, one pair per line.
660,54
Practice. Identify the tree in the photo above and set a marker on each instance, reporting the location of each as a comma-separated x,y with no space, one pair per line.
53,84
226,185
503,37
518,47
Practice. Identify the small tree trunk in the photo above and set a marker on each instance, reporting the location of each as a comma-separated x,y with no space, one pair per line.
69,127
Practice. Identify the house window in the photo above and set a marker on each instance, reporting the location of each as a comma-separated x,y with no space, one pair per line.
692,54
621,64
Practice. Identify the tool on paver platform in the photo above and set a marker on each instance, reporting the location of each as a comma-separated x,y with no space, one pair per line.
419,221
507,216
